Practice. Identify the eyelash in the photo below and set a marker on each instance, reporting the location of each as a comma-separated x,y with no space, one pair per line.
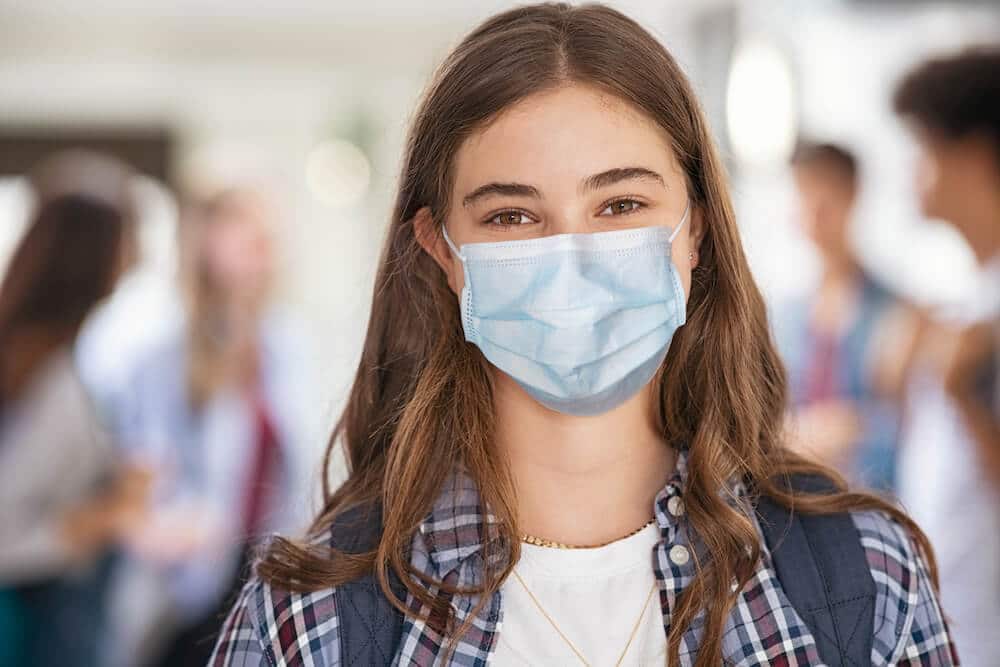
638,205
501,214
605,206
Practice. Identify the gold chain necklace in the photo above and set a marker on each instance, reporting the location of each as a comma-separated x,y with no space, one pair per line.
572,646
542,542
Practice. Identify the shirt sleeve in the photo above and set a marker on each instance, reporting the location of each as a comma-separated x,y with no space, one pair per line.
31,551
910,628
928,641
239,644
53,455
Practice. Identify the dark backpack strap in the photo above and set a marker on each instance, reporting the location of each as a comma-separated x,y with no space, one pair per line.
824,572
370,627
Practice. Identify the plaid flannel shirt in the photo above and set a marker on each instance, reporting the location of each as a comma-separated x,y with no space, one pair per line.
273,628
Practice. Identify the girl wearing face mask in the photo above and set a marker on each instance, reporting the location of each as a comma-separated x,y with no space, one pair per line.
564,435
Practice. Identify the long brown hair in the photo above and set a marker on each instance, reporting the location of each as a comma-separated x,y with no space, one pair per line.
422,396
72,251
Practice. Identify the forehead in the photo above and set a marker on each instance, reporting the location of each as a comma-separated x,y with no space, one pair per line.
243,209
564,134
822,176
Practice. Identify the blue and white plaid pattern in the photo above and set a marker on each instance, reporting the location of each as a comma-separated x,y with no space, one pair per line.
279,629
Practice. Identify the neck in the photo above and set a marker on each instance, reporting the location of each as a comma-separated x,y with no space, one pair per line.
985,241
581,480
980,224
839,271
241,312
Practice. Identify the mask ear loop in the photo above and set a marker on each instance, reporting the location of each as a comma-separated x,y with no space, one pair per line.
466,297
684,218
447,239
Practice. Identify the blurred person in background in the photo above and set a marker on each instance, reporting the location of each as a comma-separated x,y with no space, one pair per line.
950,453
65,501
829,339
218,407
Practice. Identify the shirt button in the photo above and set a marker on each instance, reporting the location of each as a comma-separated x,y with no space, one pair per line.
675,505
679,554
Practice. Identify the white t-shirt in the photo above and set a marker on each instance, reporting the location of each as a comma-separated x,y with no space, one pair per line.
595,596
942,486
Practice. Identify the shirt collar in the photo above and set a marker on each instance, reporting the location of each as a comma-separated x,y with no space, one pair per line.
451,530
990,276
669,504
984,301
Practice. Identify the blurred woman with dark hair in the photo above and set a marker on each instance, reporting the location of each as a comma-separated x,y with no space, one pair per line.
64,502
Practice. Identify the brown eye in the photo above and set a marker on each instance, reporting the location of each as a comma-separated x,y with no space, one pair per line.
621,207
510,218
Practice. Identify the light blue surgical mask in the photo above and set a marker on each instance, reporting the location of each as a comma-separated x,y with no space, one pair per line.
581,321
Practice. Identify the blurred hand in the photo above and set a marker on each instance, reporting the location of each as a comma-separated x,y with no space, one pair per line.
129,499
96,523
828,431
86,529
176,533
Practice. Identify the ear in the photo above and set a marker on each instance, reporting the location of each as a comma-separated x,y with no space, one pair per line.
433,243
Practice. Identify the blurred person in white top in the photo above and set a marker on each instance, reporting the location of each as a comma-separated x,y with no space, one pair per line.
222,406
950,460
65,501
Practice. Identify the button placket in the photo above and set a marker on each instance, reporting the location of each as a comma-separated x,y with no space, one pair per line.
677,552
675,505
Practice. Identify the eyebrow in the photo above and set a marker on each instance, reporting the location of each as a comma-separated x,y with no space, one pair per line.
612,176
595,182
508,189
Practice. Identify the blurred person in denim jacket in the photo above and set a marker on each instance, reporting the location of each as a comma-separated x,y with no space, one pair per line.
221,407
950,453
829,340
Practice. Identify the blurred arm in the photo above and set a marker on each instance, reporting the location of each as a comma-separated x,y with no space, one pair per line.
31,550
50,453
975,351
896,346
982,426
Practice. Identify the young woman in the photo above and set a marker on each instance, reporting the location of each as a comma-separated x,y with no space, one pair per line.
552,468
65,501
